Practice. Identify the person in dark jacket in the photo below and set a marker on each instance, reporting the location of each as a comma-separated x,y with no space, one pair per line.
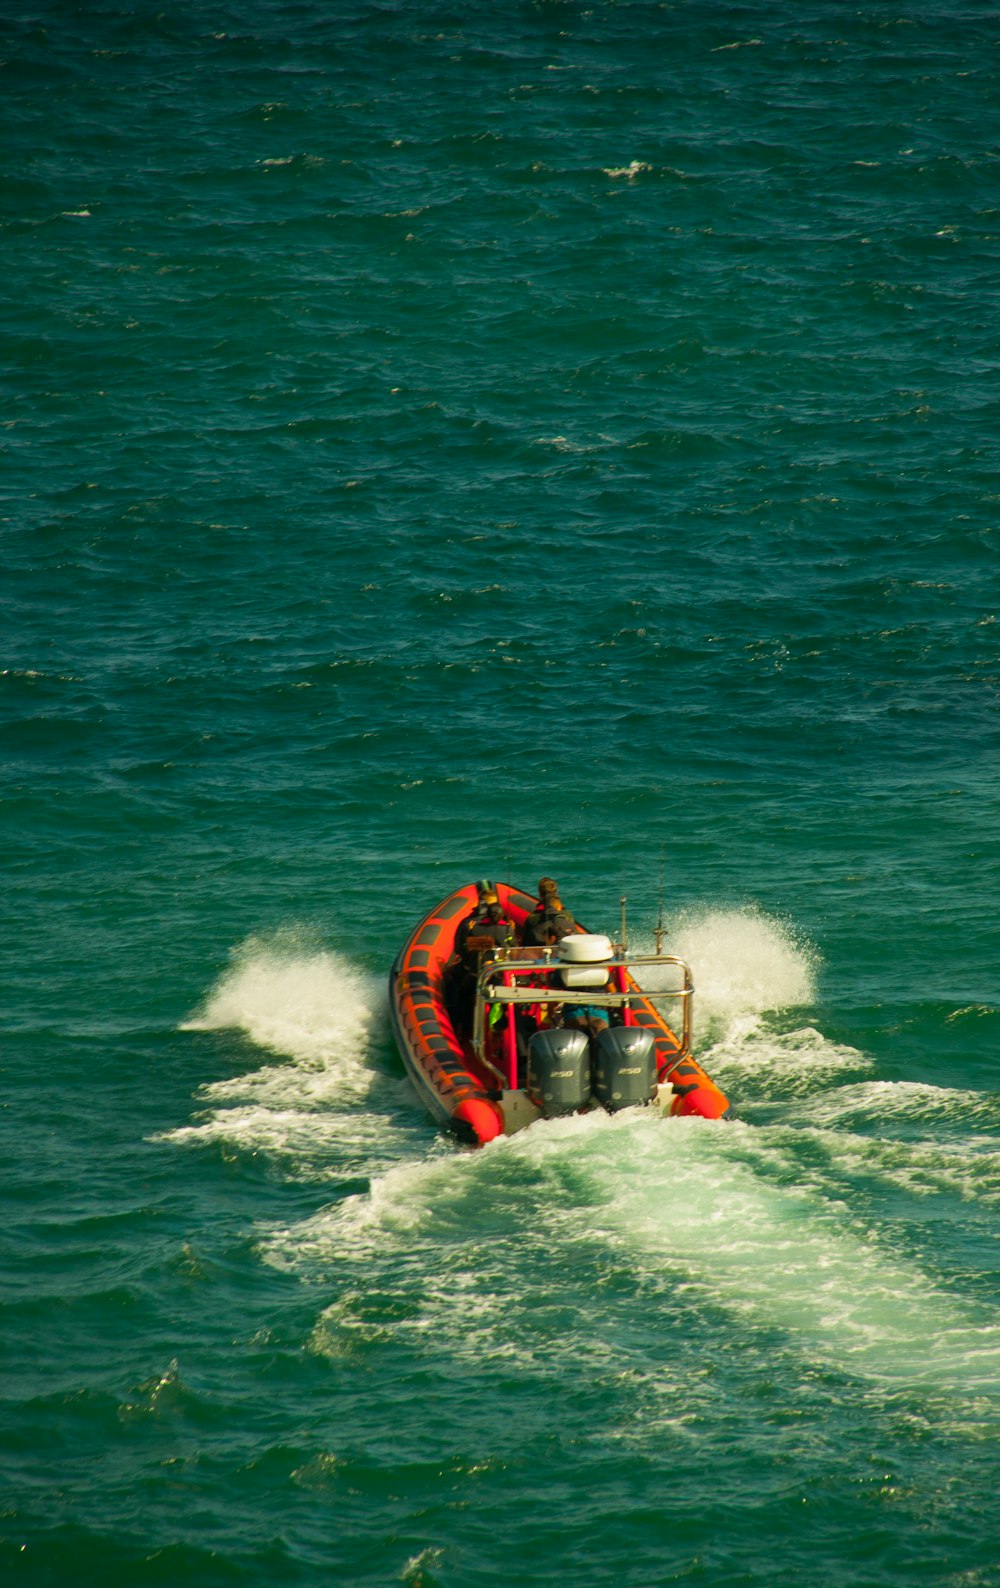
486,921
484,930
550,920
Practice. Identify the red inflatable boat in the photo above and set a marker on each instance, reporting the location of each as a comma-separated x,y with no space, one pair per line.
502,1034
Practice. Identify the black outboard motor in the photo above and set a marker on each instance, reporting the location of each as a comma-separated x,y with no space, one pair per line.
624,1067
558,1071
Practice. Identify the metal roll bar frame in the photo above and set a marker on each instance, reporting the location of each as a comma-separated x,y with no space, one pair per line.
491,990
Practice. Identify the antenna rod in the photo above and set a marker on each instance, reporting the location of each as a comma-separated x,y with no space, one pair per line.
624,944
659,925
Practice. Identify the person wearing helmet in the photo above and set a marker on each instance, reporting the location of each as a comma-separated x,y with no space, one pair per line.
484,930
550,920
486,921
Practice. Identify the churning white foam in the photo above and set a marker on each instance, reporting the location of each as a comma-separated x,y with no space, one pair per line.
914,1102
793,1254
405,1200
315,1012
727,1214
301,1001
967,1170
758,1064
768,1223
744,963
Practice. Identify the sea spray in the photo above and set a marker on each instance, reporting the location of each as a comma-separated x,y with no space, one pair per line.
321,1014
294,998
747,966
744,963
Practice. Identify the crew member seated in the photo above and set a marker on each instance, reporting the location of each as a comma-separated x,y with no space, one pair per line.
487,920
591,1018
550,920
586,970
484,931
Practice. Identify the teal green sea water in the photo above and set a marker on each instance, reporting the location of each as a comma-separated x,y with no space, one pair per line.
442,441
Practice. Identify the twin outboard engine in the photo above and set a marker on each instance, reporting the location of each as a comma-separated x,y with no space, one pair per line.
565,1064
624,1067
559,1071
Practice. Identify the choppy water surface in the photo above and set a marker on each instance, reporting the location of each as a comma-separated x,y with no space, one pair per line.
559,438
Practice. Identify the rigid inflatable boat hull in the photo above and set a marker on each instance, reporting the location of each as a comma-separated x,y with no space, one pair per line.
463,1090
